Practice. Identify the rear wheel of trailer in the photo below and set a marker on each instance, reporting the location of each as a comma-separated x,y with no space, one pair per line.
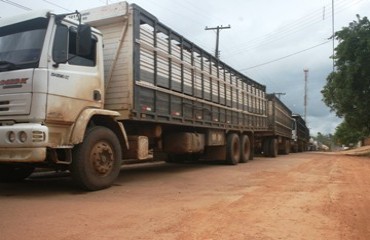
270,147
233,149
285,146
245,149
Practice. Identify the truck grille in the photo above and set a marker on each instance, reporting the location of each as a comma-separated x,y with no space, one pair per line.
15,104
6,103
38,136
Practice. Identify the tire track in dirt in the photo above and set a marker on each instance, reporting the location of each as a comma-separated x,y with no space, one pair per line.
308,201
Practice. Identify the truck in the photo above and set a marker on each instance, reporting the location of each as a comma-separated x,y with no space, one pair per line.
300,134
277,138
85,91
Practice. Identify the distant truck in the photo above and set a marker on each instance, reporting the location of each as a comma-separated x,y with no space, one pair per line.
83,98
277,138
300,134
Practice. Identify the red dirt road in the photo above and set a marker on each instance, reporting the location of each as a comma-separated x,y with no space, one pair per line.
299,196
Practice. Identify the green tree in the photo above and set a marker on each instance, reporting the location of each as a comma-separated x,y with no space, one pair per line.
344,134
347,90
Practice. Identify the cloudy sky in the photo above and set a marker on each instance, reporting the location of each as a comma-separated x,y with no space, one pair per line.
270,41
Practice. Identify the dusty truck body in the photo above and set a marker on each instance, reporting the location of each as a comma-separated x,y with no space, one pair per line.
82,98
300,134
276,140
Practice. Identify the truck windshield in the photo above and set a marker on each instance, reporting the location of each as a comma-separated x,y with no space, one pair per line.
21,44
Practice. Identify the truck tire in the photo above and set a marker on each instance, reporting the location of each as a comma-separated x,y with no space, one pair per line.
295,148
245,149
266,147
274,147
97,160
233,149
14,173
270,147
286,147
300,146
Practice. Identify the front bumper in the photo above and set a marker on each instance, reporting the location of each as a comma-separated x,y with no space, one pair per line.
29,149
22,155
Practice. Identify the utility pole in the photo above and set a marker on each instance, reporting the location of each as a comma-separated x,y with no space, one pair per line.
279,94
218,28
305,93
333,31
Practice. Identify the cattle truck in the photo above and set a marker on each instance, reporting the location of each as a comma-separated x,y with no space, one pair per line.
300,134
276,140
83,92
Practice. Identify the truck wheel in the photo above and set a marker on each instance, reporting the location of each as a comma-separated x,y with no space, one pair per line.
245,150
12,173
286,147
97,160
274,147
233,149
266,147
295,148
300,146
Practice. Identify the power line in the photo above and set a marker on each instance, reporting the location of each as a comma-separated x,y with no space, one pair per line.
16,5
56,5
192,8
281,58
338,9
300,24
284,31
106,2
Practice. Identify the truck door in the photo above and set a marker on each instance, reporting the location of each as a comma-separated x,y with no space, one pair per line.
74,82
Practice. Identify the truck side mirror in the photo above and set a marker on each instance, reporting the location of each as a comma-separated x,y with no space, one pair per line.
84,41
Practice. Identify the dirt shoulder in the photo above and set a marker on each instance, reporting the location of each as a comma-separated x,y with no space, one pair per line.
305,196
361,151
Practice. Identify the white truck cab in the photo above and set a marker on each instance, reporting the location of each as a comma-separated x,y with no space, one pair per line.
51,88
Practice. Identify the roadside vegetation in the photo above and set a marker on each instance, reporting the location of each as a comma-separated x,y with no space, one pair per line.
347,90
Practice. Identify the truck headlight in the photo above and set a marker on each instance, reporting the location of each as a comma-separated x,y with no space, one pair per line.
22,136
11,136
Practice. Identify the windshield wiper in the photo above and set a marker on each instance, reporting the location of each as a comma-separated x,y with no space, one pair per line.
5,65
